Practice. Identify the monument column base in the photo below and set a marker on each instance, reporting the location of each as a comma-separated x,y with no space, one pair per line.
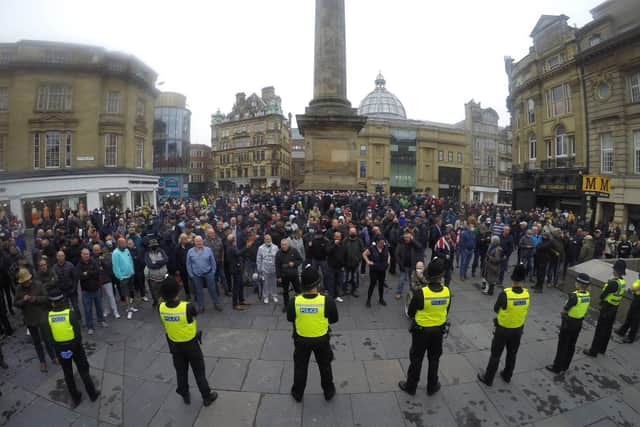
331,161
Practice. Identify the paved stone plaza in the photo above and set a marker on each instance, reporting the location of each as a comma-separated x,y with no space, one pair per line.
249,362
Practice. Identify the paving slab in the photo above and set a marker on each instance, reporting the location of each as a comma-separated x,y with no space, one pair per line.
396,342
512,404
349,376
278,410
237,409
425,411
43,412
546,396
317,412
376,410
14,400
111,399
140,408
174,413
383,375
470,406
455,368
233,343
342,346
367,345
229,374
278,345
313,378
263,376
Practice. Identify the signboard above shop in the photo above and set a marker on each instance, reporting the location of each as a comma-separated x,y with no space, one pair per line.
596,185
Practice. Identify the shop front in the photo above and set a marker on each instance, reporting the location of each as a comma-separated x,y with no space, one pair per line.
32,198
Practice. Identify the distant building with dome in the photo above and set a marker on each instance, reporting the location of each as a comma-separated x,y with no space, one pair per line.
397,154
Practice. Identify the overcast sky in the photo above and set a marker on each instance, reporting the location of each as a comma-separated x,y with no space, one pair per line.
435,55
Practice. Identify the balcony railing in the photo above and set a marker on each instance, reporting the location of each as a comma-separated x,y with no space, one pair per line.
562,162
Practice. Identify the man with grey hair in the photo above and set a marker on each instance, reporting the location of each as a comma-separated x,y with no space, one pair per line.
201,267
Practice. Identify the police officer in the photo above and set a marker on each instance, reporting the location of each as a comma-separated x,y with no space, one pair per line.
633,315
311,314
64,333
511,307
429,309
610,299
574,311
179,321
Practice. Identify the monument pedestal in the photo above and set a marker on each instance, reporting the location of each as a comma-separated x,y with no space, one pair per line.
331,161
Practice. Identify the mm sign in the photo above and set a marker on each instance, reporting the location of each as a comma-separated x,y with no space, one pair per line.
595,185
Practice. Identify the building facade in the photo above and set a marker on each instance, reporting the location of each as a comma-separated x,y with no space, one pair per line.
609,62
505,164
75,129
489,146
297,158
547,115
575,103
200,171
252,144
171,144
396,154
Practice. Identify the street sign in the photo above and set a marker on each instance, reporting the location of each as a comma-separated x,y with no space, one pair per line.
595,185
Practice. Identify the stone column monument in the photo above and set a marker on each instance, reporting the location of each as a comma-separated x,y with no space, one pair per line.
330,126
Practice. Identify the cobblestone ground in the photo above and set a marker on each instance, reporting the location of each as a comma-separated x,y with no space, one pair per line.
249,362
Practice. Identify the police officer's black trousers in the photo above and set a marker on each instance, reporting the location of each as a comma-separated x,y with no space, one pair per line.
603,329
503,337
80,359
633,319
427,340
321,348
569,331
185,354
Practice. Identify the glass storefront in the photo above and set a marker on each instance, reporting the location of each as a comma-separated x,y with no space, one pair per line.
171,143
36,210
403,159
111,201
141,199
5,209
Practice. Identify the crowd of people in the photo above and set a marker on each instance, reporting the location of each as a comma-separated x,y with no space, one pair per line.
246,244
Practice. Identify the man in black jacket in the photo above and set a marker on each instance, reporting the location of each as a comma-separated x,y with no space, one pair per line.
66,279
408,253
287,261
335,266
88,272
353,247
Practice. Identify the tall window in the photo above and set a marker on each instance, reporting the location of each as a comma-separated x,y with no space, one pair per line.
140,107
3,142
262,171
139,153
363,150
634,83
606,152
562,142
36,151
113,102
440,156
531,111
110,150
459,157
532,147
52,150
450,156
549,144
54,97
636,151
363,169
558,100
4,99
491,161
68,152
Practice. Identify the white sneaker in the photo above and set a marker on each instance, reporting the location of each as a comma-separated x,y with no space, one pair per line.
129,315
338,299
104,324
116,315
145,299
275,299
133,309
105,314
266,300
28,333
90,332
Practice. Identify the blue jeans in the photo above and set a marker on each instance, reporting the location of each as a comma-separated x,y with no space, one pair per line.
198,283
89,298
335,279
404,280
503,269
353,277
221,277
465,260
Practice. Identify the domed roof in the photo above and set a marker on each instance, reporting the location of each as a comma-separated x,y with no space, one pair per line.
381,103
